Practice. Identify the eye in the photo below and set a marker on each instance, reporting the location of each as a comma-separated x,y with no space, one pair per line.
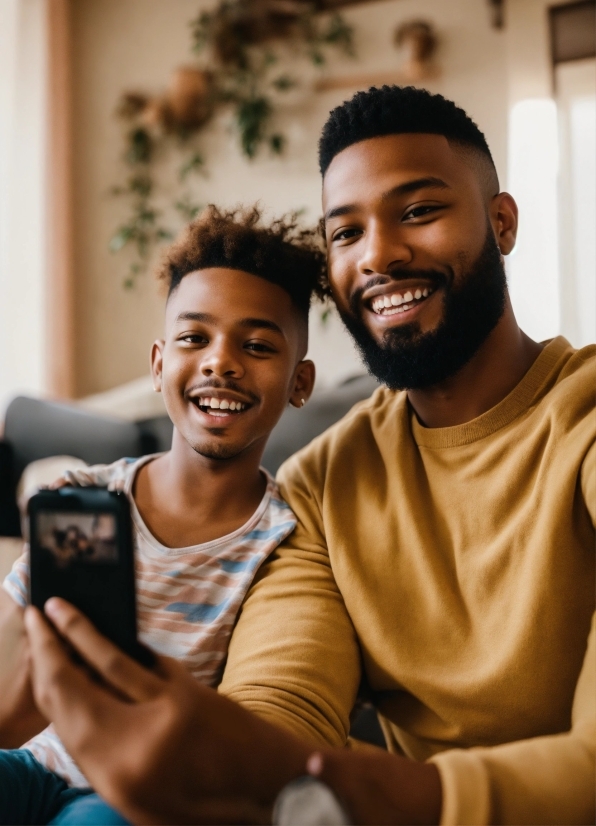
420,211
193,338
259,347
346,234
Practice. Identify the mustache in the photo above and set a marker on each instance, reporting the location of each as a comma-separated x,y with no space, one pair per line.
215,384
436,278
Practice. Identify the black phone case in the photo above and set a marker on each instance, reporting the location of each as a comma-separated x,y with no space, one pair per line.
105,593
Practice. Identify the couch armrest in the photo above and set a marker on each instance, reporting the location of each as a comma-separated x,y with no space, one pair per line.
9,513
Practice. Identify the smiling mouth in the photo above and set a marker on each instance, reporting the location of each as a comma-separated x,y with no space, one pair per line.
218,408
399,302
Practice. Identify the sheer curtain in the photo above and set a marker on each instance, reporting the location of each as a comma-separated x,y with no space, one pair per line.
36,347
23,30
576,100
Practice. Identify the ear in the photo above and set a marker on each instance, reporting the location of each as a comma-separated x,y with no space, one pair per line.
157,363
503,216
304,381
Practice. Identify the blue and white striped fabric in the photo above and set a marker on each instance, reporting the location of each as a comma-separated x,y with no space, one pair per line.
187,598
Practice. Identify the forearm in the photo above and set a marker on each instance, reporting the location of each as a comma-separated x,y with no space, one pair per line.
376,787
19,716
546,779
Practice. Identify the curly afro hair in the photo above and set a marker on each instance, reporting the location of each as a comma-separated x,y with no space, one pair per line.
394,110
280,252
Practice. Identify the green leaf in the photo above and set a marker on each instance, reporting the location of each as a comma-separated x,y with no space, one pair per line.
187,209
283,83
141,185
251,116
277,144
195,164
140,146
120,239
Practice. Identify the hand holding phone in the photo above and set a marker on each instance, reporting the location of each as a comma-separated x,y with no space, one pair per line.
82,550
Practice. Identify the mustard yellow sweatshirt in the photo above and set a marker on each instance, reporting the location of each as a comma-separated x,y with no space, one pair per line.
453,568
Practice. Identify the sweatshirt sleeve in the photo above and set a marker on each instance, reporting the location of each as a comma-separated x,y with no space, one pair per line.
547,780
293,657
542,780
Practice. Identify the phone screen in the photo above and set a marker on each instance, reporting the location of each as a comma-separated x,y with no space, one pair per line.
82,551
78,538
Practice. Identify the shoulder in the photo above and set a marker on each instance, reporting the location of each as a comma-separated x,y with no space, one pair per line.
117,473
354,435
568,393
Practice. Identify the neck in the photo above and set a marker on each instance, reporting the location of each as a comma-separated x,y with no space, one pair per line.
186,499
490,375
220,486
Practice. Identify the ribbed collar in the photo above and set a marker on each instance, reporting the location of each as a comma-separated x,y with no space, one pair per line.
514,404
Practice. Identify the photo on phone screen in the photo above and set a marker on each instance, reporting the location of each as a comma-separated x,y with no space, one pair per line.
78,537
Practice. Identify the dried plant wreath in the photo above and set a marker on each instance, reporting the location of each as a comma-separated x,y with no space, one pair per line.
239,47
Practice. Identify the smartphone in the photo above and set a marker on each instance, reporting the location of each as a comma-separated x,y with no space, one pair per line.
82,550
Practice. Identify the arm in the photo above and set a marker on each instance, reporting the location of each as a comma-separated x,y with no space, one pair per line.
294,658
540,780
157,745
162,748
547,780
19,716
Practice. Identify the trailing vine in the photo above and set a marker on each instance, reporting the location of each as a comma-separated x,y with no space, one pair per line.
239,69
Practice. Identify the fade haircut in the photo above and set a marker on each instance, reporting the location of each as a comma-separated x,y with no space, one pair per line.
280,252
395,110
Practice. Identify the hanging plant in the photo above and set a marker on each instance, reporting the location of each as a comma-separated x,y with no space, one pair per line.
238,46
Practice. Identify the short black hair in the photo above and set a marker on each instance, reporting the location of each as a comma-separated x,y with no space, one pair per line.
394,110
280,252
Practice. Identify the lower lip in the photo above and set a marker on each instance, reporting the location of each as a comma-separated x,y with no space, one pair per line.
404,317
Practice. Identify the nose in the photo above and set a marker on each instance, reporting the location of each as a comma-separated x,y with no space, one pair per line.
383,250
221,359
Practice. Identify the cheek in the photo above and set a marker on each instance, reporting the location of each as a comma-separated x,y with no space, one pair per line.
342,273
176,371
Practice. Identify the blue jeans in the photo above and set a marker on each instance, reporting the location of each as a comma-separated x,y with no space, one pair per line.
30,794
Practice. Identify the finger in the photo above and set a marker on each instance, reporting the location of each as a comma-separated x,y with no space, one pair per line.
57,682
117,485
119,670
58,483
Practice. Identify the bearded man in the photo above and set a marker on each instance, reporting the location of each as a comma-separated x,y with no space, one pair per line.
444,553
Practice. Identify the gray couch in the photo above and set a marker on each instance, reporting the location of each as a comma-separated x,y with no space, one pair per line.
36,429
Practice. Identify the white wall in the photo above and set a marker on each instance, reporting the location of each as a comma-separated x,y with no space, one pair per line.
22,197
127,44
551,270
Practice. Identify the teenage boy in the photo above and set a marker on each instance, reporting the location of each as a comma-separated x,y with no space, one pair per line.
205,515
444,547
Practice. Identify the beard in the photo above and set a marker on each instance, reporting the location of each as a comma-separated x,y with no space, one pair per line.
408,359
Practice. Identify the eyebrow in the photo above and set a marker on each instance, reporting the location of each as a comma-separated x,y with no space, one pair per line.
407,188
248,323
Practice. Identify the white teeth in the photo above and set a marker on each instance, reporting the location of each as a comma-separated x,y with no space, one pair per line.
386,305
220,404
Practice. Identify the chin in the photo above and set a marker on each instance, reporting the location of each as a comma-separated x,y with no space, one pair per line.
217,450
